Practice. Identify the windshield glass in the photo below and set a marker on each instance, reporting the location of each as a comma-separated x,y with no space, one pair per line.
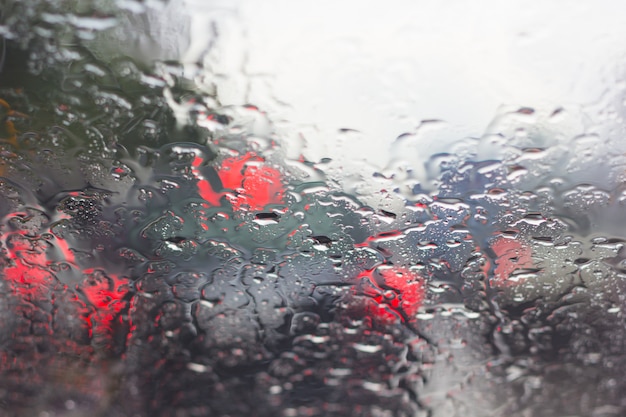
238,208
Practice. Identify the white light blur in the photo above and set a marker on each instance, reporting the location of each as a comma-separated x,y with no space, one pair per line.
381,68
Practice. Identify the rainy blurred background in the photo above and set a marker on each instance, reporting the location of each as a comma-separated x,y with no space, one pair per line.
281,208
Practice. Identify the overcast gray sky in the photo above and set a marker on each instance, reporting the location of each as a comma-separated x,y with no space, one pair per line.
381,68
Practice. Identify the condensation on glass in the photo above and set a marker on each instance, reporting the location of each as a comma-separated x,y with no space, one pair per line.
330,209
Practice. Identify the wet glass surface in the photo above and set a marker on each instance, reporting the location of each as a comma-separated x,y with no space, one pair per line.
235,209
